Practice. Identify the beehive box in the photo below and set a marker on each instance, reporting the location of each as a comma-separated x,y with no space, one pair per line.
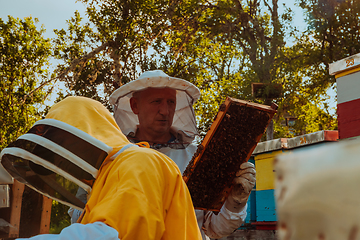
230,141
347,74
264,156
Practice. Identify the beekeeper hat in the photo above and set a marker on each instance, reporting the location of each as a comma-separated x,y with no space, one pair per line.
66,150
184,121
53,152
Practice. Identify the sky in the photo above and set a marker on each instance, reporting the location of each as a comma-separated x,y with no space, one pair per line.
54,13
51,13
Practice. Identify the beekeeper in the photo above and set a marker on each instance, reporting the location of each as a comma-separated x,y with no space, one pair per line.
158,109
138,192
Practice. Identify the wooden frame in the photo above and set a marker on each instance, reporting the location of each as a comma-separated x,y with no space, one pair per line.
230,141
28,215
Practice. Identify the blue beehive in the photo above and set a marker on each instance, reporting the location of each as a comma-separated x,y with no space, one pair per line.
261,212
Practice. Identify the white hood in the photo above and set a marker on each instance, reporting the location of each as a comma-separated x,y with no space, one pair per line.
184,121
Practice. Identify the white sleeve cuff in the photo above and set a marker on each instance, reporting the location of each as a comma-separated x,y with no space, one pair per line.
234,216
224,223
75,215
77,231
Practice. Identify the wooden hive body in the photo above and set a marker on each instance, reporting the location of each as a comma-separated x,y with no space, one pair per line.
232,137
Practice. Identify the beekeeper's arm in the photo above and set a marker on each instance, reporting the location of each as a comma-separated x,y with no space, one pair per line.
75,213
77,231
233,212
141,194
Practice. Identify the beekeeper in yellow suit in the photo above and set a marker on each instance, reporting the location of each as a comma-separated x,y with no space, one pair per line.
138,194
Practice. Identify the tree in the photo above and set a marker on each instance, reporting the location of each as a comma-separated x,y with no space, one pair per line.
24,82
236,43
332,34
221,46
240,42
334,25
24,55
112,48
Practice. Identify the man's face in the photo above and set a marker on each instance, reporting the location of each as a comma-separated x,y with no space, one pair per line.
155,108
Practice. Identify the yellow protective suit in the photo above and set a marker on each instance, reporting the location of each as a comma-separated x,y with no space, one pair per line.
141,193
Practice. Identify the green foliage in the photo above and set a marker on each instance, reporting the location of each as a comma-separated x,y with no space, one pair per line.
111,49
88,78
335,25
59,217
24,54
254,33
221,46
333,33
235,44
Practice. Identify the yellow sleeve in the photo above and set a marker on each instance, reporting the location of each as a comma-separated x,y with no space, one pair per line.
142,195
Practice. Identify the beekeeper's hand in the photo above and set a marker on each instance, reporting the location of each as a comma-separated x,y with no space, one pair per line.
243,183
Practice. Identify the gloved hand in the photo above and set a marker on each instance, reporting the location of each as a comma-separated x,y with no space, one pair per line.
243,183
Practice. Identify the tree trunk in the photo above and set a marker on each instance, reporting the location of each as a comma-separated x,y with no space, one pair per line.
270,131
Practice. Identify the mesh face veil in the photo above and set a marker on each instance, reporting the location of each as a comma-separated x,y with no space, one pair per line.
65,150
184,122
55,158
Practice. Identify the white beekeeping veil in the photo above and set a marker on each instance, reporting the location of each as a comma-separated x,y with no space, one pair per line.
184,122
